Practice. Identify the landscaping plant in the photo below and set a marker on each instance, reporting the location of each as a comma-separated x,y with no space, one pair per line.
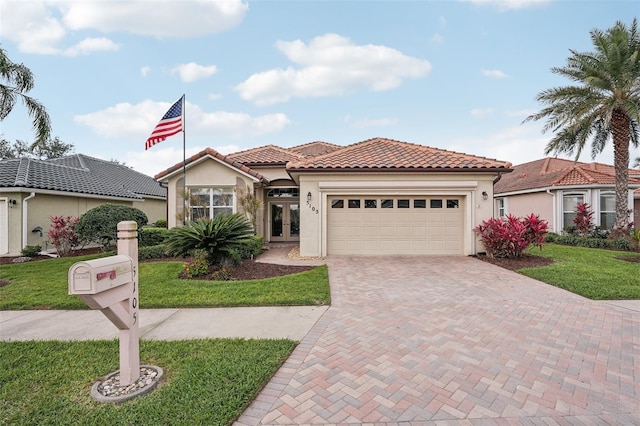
62,234
100,224
218,237
583,219
509,238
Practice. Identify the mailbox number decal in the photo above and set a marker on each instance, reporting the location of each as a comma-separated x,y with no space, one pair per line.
134,298
102,275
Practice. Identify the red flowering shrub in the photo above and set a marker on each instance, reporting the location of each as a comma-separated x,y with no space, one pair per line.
62,234
583,219
510,237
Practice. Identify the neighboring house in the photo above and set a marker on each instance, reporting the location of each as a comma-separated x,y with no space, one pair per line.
376,197
31,191
552,188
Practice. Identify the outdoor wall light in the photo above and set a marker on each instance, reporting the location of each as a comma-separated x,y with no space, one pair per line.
12,202
309,196
485,195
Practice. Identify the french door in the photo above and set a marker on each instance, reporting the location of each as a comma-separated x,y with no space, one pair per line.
284,218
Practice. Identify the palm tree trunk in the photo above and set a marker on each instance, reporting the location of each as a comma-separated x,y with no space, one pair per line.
621,136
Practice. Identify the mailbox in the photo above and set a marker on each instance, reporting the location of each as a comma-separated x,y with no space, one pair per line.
99,275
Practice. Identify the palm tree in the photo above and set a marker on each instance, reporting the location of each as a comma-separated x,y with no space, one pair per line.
18,80
605,103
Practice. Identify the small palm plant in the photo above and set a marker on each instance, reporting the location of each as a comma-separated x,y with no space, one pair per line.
218,238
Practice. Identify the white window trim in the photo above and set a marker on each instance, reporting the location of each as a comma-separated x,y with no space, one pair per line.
585,199
225,190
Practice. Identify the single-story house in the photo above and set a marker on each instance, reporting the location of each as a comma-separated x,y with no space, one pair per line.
376,197
552,188
31,191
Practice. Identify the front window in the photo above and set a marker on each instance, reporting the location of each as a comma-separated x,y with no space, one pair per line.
210,202
501,208
607,210
569,208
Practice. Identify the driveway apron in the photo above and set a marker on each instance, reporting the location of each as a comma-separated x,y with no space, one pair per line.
454,340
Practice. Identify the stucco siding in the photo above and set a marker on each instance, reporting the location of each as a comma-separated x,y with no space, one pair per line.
540,203
154,209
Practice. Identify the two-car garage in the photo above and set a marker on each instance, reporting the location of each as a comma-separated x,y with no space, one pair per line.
395,225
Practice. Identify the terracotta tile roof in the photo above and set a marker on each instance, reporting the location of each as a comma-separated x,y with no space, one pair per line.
388,154
314,149
557,172
79,174
265,155
208,152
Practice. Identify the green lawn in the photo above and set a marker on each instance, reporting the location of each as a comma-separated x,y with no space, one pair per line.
43,285
206,382
593,273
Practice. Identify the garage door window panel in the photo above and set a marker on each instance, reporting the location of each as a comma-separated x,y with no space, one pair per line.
354,204
370,204
386,204
403,204
435,204
337,204
419,204
453,204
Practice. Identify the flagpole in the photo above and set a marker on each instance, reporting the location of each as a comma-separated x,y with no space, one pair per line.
184,163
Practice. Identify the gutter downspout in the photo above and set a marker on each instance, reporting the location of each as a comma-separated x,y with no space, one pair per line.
555,209
25,210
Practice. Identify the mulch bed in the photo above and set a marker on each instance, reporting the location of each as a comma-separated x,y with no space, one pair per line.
526,261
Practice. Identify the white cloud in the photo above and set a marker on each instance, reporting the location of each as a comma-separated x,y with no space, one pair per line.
510,4
159,18
42,27
494,74
192,72
331,65
145,71
437,39
90,45
128,121
481,112
442,21
214,96
368,122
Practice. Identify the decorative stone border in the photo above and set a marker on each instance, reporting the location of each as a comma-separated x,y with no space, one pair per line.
109,390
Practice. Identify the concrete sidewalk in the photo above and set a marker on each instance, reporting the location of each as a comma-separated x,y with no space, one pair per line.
291,322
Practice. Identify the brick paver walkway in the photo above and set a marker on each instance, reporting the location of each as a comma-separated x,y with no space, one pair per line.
456,341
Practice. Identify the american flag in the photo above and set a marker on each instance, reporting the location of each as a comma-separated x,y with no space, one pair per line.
169,125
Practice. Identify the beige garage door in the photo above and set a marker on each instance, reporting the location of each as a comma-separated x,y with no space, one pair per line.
402,225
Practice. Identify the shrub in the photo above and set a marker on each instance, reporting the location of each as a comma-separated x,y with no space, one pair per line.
152,236
197,266
31,251
100,224
583,219
509,238
62,234
251,247
153,252
216,237
161,223
615,244
223,274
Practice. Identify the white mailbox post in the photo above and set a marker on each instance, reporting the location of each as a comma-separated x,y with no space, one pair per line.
111,285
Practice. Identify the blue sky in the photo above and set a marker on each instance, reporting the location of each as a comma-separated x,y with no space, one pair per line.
457,75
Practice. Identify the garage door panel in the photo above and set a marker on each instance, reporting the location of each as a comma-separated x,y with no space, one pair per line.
435,227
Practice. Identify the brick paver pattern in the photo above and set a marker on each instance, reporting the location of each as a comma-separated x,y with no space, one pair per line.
456,341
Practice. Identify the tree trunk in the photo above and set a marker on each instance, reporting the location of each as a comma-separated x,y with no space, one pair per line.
621,136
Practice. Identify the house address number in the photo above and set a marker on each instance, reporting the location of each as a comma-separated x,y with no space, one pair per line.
313,209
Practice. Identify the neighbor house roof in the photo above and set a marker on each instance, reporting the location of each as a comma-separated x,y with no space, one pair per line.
558,172
212,153
79,174
388,154
313,149
265,155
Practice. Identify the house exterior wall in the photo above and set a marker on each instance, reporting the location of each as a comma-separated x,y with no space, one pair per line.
206,174
154,209
313,214
636,213
38,210
540,203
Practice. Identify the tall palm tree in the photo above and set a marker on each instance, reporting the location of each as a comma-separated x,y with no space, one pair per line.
17,79
604,104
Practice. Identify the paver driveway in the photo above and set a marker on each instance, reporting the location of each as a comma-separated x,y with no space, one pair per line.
454,340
